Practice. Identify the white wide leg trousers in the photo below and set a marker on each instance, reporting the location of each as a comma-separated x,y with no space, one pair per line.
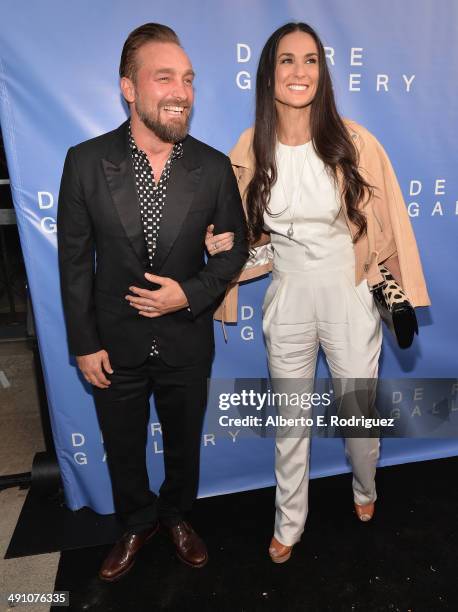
303,310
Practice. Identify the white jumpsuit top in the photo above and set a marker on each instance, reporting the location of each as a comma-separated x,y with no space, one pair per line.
313,299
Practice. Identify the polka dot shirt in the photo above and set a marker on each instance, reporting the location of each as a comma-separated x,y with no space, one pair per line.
151,197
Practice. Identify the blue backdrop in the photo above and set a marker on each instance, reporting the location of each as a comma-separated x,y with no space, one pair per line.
394,66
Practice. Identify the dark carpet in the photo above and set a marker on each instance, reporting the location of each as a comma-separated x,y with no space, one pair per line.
404,559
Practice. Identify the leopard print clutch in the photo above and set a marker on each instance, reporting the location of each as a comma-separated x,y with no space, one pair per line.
395,309
392,291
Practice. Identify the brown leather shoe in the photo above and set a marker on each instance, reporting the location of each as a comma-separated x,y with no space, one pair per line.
189,546
365,513
279,553
121,557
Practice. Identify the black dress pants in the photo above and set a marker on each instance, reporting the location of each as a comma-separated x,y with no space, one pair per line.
123,411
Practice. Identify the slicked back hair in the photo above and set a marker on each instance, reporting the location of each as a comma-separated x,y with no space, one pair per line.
146,33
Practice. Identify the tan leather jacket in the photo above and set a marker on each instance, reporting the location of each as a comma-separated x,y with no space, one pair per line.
389,239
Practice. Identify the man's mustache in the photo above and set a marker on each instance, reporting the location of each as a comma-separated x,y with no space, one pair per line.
175,102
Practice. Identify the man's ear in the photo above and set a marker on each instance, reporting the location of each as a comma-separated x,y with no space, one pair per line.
128,89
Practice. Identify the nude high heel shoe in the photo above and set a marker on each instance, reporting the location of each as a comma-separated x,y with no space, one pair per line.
365,513
279,553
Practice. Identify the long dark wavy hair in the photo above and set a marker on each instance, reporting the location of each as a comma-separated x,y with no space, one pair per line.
331,140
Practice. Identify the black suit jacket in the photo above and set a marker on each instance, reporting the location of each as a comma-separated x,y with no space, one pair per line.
102,249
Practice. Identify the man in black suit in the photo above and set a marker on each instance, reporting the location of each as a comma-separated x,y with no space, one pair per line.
139,313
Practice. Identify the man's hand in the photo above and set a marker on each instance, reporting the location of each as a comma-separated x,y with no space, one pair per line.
169,298
93,366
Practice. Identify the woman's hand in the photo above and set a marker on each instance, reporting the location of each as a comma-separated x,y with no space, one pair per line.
220,242
265,239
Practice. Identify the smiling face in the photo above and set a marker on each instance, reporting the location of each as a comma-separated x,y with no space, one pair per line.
161,93
296,70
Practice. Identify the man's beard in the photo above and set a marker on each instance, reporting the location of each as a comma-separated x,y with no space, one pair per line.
167,132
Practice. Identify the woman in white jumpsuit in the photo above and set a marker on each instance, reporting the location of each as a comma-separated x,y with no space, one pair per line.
305,188
313,301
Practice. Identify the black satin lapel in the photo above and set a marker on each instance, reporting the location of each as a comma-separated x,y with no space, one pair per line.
181,188
121,182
